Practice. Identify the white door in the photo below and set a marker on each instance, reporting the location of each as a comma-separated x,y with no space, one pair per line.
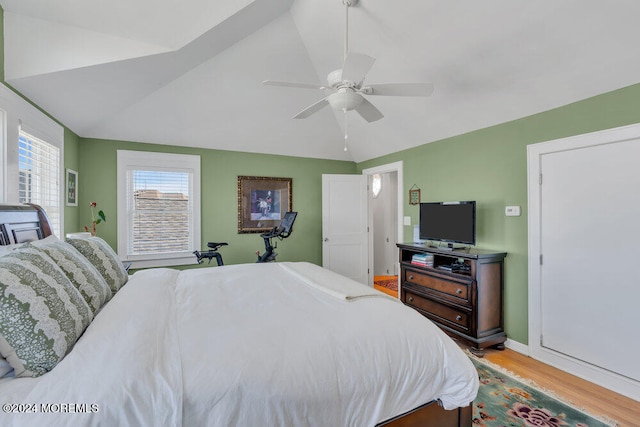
345,226
585,288
590,233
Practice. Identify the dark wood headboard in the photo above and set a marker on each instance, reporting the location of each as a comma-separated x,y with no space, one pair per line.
23,223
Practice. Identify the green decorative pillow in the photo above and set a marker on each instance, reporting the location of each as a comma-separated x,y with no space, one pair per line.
100,254
41,313
83,275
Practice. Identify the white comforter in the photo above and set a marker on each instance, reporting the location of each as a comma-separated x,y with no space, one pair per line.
246,345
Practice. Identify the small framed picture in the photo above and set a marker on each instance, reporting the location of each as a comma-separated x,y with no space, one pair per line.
414,196
72,188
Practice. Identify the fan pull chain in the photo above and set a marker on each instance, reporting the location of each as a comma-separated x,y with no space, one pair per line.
346,136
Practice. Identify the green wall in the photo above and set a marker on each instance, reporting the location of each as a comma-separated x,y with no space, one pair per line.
490,166
2,43
219,173
71,144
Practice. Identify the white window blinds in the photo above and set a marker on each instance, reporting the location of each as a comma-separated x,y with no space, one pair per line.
160,211
39,176
158,208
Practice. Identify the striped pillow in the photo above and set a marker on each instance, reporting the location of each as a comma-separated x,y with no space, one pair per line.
83,275
100,254
41,313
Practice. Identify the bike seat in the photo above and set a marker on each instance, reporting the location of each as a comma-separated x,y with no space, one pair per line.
214,245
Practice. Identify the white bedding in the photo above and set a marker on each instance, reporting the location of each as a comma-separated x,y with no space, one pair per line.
247,345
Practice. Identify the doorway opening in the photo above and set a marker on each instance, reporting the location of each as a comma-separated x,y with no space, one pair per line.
385,209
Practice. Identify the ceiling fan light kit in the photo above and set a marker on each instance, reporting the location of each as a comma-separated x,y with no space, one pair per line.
344,99
346,84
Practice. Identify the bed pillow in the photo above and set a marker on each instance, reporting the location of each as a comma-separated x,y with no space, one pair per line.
7,249
5,368
41,313
83,275
106,261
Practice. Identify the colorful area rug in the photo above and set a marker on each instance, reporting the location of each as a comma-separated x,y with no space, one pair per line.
503,401
386,284
389,282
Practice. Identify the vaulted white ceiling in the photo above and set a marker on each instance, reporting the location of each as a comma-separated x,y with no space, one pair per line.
189,72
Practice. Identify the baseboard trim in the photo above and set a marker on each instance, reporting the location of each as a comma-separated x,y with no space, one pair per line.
516,346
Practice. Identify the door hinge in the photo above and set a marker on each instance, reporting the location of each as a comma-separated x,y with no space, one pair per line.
540,179
367,228
541,345
540,259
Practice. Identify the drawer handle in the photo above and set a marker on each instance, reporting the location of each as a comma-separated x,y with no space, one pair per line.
410,299
458,291
410,277
458,318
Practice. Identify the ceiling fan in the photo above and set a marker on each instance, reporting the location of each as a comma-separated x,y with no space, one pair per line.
346,85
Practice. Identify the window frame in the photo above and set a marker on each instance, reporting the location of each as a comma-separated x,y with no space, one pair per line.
17,113
128,160
42,176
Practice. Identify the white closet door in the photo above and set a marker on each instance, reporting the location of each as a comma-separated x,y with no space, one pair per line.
345,226
590,237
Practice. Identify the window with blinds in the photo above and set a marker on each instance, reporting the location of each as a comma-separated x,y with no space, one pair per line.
158,208
160,212
39,176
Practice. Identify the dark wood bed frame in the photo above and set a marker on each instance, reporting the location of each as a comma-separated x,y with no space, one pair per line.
24,223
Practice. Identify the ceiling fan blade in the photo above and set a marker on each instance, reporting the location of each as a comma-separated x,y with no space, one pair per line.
312,109
401,89
368,111
356,66
293,84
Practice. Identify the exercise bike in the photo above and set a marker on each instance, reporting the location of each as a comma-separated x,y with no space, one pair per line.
281,232
211,253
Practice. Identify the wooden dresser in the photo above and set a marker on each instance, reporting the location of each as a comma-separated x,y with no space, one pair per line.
462,292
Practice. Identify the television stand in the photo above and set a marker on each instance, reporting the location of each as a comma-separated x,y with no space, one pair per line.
461,292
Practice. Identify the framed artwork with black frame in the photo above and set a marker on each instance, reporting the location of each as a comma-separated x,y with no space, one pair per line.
262,202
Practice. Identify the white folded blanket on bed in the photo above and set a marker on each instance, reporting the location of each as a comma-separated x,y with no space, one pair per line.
332,283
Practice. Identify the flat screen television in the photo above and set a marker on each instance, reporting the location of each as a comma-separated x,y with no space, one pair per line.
451,222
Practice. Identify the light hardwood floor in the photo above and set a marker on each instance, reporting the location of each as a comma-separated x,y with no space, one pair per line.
593,398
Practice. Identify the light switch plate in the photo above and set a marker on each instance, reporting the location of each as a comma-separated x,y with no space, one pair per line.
512,211
407,220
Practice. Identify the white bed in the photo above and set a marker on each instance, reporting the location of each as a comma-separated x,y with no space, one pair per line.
277,344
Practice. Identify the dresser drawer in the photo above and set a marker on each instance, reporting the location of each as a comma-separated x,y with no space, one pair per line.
457,288
450,316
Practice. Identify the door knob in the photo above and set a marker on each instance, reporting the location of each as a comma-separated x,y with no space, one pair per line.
326,239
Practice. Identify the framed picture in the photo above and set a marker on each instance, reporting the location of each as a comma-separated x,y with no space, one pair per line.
262,202
72,188
414,196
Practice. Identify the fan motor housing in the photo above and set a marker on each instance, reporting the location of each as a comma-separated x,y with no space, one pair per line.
334,78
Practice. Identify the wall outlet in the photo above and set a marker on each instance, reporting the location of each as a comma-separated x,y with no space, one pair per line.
512,211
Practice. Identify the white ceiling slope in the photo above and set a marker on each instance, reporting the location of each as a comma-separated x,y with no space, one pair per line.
189,73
